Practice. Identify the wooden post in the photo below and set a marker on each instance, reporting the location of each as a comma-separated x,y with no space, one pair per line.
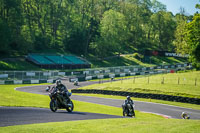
163,80
195,81
178,80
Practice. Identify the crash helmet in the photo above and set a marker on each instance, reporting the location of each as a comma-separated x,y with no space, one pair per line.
58,82
128,98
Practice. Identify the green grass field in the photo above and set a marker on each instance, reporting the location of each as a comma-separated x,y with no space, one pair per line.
21,64
131,60
143,123
177,84
17,64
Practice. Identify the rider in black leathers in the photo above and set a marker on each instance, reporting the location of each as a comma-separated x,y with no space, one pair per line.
62,88
128,101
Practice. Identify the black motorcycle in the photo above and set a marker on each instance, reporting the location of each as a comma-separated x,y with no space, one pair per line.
128,110
58,101
76,83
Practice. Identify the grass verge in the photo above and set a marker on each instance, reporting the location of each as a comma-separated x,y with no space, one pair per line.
176,84
143,123
11,97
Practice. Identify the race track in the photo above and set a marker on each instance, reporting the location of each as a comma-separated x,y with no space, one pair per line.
161,109
17,115
23,115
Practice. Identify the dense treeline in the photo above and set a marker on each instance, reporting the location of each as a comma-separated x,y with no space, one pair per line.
100,27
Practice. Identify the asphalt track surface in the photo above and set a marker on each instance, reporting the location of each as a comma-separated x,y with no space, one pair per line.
17,115
167,111
21,115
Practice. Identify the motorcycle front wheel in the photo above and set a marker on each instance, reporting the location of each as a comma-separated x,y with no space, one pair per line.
71,107
124,114
53,106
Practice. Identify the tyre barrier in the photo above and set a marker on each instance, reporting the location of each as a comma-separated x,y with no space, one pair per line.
142,95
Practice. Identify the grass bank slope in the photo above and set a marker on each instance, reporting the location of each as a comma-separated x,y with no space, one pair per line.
126,60
176,84
17,64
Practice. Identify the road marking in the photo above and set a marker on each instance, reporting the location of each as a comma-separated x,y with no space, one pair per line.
165,116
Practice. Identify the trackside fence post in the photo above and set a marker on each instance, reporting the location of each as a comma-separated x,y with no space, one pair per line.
195,82
178,80
163,81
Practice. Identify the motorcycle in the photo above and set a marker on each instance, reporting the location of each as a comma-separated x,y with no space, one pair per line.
48,88
58,101
185,116
128,110
76,83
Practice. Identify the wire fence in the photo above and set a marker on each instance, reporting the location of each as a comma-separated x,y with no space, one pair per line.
29,75
91,73
173,79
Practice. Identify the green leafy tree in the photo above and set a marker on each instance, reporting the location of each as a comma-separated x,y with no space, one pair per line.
180,41
113,30
5,33
84,26
163,29
158,6
193,40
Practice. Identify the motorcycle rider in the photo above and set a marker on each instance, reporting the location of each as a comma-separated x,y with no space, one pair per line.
76,82
128,101
185,115
63,89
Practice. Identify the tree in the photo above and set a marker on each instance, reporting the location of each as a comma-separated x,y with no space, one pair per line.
180,41
83,26
11,22
5,33
113,31
163,29
158,6
193,40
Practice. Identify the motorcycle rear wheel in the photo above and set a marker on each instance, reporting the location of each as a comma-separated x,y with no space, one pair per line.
53,106
70,108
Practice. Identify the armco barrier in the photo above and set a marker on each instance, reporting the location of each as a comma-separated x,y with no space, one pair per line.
142,95
26,81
